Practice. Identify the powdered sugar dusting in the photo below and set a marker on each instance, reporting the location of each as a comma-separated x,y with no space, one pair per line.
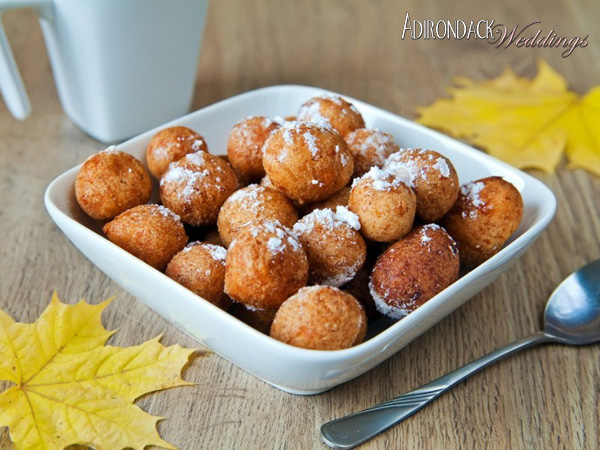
424,237
197,158
275,245
287,136
442,166
334,98
311,112
180,175
217,252
312,143
197,144
166,212
381,179
383,306
377,141
110,149
343,157
407,171
282,157
410,170
344,277
471,191
281,238
279,120
327,219
250,197
345,215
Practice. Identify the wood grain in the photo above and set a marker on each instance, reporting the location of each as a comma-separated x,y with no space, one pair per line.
546,397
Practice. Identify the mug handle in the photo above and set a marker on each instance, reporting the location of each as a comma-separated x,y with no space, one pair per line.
11,83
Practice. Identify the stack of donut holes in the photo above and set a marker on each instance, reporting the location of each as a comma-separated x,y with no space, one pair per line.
308,227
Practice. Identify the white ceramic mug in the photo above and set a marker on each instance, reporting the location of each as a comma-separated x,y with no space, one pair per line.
120,66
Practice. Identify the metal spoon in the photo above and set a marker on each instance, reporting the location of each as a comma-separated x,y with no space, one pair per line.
572,317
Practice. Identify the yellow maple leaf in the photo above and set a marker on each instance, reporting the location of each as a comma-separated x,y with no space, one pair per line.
527,123
71,389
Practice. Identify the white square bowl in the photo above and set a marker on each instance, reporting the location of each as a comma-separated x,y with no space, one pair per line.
289,368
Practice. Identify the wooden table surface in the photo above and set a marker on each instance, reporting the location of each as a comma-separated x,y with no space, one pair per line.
546,397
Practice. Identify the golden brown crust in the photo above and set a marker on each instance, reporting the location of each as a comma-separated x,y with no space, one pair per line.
369,148
334,110
265,265
340,198
488,211
320,318
335,249
307,162
170,145
259,319
254,203
111,182
152,233
200,267
385,206
245,144
431,175
413,270
196,186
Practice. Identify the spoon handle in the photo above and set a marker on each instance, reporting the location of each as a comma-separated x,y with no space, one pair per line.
354,429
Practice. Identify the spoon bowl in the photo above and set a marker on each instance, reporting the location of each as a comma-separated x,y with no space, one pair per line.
572,313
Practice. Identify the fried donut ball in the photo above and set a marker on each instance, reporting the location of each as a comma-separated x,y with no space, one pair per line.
254,203
333,110
320,318
431,175
335,249
370,148
152,233
245,146
307,162
413,270
486,214
111,182
196,186
170,145
200,267
259,319
340,198
384,204
265,265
